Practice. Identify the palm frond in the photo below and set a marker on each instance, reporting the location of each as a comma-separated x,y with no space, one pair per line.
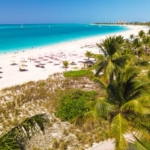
8,143
139,90
136,107
99,67
119,127
109,70
103,108
120,61
100,83
114,94
139,144
102,48
18,137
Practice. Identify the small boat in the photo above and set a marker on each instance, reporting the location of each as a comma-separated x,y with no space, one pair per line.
21,26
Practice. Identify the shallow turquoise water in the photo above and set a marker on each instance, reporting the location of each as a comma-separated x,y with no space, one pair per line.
18,37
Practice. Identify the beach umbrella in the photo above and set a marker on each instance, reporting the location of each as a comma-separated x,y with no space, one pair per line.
50,55
46,55
22,58
73,63
56,63
44,58
22,61
40,56
80,61
33,58
42,63
37,60
49,61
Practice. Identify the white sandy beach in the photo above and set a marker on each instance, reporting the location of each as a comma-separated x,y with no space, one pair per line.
72,51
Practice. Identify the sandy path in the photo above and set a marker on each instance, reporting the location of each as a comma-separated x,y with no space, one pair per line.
109,144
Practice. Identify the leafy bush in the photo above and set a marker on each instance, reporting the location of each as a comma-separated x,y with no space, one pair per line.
73,104
79,73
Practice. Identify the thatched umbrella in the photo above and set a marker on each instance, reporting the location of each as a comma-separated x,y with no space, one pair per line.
73,63
88,63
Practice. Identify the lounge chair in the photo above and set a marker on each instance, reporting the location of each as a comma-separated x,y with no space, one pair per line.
13,64
42,66
37,65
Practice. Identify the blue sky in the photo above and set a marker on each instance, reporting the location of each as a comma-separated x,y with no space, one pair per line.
73,11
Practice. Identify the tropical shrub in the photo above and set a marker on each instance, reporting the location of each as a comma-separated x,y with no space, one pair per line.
73,104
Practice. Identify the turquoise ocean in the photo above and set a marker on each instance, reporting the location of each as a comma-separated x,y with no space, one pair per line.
17,37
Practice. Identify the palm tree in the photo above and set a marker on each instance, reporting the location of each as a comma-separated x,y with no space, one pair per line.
148,33
128,45
146,41
125,106
140,52
113,58
141,34
18,137
136,44
131,36
119,39
66,64
88,54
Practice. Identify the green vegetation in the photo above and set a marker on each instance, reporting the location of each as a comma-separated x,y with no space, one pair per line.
65,64
88,54
128,23
79,73
73,104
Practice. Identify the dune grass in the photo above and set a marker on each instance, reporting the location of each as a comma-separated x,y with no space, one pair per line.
79,73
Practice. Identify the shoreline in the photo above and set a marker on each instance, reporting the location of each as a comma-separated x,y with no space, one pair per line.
25,47
70,51
129,27
12,51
